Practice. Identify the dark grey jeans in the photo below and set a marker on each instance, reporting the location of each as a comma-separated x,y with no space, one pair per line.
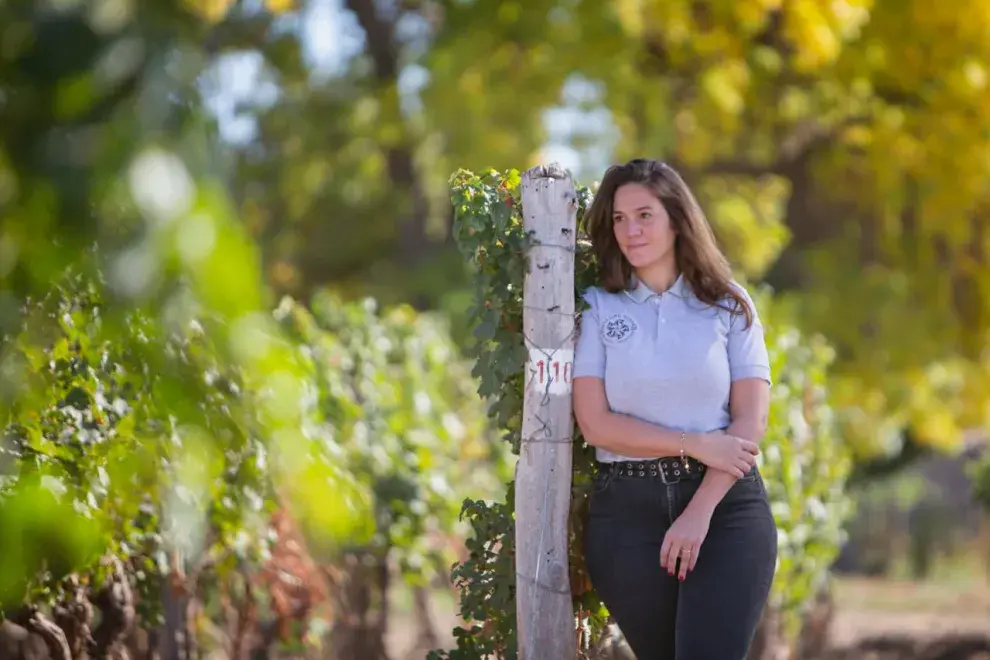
713,614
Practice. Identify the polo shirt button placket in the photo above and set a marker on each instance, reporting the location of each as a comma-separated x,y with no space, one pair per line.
658,303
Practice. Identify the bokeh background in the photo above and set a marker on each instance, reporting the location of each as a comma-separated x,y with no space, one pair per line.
240,410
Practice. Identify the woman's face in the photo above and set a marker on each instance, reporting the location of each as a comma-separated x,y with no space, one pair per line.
642,227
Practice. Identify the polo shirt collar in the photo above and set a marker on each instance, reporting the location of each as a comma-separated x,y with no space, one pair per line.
640,293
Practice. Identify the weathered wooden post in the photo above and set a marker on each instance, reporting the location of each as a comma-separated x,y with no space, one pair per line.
543,474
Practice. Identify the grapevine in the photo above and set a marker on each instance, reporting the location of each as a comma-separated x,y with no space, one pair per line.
91,452
117,430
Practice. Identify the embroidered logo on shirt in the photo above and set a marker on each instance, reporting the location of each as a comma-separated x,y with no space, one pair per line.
617,328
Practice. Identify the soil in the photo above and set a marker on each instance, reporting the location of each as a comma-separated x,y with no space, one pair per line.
869,608
908,618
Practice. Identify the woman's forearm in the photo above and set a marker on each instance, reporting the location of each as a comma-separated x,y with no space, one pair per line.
628,436
716,483
747,429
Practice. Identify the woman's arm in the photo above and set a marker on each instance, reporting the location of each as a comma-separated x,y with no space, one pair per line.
627,435
631,437
749,401
749,404
749,397
620,433
601,427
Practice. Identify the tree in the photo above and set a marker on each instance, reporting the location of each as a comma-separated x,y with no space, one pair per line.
838,149
878,145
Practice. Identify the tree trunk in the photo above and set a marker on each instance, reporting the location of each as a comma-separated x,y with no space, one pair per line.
813,640
413,244
812,218
427,638
117,612
176,641
360,592
769,642
772,643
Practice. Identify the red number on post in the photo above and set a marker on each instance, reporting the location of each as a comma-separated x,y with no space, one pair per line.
554,372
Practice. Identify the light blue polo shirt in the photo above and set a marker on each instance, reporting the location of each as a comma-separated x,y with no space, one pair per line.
668,358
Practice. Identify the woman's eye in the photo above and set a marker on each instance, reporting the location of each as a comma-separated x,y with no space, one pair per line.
617,219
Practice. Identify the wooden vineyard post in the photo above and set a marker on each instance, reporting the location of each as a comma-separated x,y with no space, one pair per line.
544,610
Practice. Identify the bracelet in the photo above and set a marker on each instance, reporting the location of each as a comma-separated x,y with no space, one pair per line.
684,463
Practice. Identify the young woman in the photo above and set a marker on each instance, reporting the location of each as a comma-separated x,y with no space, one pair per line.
672,387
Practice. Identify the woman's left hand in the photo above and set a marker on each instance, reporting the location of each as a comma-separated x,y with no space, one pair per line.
684,539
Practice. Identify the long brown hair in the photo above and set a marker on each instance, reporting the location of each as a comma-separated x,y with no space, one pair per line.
696,252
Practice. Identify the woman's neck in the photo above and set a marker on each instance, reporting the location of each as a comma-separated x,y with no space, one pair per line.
658,278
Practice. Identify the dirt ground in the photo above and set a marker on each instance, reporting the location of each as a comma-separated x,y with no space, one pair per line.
867,608
403,630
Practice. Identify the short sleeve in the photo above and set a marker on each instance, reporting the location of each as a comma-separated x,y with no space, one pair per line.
747,348
589,354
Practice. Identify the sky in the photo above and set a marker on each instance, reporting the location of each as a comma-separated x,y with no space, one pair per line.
332,35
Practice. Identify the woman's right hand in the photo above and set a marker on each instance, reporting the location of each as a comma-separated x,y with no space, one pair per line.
723,452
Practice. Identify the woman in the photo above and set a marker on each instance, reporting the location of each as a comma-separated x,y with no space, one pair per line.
672,387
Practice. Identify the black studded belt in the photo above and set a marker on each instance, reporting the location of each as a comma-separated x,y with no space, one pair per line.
669,470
